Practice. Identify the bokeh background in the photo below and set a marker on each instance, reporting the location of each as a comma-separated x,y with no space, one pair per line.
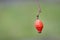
17,20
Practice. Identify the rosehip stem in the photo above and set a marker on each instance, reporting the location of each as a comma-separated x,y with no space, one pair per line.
39,9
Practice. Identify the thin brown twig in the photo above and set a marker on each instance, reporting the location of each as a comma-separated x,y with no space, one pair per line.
39,8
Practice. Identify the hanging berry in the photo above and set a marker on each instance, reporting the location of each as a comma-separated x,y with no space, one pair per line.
38,23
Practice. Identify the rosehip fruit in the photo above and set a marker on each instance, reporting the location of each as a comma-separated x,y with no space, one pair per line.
39,25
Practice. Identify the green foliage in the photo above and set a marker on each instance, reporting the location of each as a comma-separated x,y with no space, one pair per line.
17,22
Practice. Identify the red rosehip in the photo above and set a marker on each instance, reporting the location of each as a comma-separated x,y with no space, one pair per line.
39,25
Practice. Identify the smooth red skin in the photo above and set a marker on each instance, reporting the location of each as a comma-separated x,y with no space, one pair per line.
38,25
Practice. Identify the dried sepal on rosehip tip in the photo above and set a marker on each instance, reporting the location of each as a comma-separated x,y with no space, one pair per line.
39,32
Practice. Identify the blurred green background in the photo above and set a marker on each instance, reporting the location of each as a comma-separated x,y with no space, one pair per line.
17,20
